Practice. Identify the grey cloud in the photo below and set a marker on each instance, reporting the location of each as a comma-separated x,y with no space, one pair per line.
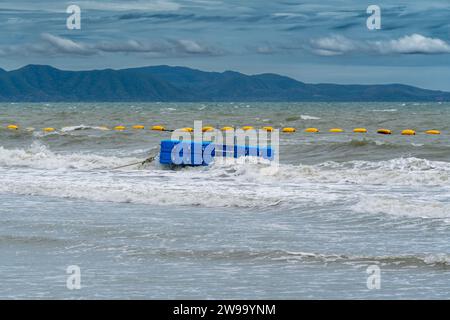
54,45
131,46
64,45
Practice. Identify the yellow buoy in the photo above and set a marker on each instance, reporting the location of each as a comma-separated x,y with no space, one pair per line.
13,127
312,130
48,129
360,130
138,127
288,130
268,129
119,128
336,130
408,132
206,129
186,130
384,131
227,129
433,132
246,128
158,128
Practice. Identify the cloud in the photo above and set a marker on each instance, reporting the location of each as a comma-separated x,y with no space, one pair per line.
189,46
414,44
56,45
63,45
131,46
266,49
410,44
332,46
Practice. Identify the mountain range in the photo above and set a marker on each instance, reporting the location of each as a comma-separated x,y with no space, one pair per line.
41,83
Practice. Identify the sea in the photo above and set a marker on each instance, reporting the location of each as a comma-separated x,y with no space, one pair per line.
343,215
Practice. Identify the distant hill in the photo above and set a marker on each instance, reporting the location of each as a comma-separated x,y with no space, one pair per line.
38,83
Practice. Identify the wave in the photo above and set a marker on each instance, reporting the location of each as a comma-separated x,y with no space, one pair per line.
32,240
414,208
277,256
306,117
437,259
39,156
390,187
384,110
400,172
82,127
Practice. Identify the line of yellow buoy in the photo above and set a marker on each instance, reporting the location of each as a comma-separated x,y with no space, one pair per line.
406,132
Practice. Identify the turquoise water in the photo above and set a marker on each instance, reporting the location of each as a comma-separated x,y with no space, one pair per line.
337,204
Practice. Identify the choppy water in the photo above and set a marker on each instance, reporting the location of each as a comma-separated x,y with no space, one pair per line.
338,204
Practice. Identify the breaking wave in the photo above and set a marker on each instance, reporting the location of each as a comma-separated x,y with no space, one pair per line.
410,187
39,156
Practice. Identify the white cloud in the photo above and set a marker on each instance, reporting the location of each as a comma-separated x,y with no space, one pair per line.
332,46
411,44
190,46
64,45
414,44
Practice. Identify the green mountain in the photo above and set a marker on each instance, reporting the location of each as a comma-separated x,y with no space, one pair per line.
37,83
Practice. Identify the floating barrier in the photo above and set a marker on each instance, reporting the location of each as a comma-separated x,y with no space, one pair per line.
158,128
227,129
190,153
408,132
207,129
384,131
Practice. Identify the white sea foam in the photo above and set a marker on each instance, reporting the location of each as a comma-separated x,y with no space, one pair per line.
384,110
397,206
435,259
81,127
39,171
306,117
400,171
40,157
441,258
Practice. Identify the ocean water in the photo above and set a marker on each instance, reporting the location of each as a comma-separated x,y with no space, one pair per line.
337,204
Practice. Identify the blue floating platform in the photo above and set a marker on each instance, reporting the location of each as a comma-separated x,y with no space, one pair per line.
190,153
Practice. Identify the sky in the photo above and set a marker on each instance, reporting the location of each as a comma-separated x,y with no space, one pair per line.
324,41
